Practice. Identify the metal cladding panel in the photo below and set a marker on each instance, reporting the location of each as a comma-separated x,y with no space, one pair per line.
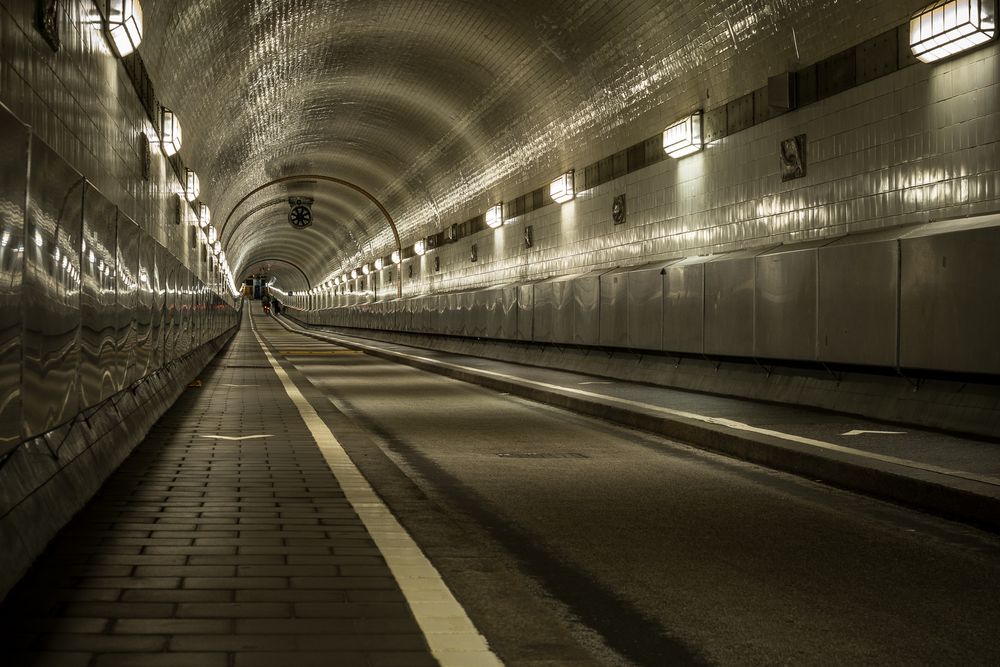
948,317
483,305
13,193
684,308
170,320
158,281
126,300
99,363
187,285
525,312
545,311
508,313
858,303
645,309
614,309
586,306
51,292
729,298
145,302
785,308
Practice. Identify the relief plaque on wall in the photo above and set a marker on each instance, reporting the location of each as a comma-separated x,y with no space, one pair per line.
793,158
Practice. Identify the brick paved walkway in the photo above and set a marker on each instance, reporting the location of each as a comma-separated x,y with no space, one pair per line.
212,552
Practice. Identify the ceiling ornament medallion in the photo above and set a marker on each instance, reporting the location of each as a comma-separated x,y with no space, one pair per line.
300,213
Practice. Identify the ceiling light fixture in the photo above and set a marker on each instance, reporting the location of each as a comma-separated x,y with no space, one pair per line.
193,186
947,27
125,25
561,190
683,137
171,132
494,216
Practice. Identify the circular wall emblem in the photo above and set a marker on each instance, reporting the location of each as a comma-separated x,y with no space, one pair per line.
300,216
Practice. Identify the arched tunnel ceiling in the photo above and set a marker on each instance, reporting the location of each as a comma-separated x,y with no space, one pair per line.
441,107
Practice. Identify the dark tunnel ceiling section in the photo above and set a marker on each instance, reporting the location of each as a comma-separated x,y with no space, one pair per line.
440,108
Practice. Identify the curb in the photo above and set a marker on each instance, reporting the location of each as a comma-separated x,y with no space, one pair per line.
950,497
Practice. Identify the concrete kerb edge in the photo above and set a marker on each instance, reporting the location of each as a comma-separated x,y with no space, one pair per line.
917,489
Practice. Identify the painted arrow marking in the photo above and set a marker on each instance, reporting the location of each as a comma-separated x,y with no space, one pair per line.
857,432
235,437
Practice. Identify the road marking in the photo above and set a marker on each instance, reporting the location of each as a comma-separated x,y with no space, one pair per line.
226,384
453,639
235,437
315,353
859,432
593,382
718,421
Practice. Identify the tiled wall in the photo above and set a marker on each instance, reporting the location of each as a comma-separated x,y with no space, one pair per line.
918,145
80,101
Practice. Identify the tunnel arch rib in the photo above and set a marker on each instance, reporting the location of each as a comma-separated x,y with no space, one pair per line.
329,179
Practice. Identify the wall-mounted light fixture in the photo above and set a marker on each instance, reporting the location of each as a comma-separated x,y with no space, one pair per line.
395,257
494,216
683,137
379,264
204,215
947,27
217,247
192,188
125,25
171,132
212,234
561,190
354,274
366,269
420,247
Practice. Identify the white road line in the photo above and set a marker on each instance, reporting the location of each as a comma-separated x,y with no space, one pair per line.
453,639
234,437
718,421
860,432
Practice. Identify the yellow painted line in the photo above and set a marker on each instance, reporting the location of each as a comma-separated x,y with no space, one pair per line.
453,639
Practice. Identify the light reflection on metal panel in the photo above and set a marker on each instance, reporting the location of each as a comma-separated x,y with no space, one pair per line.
526,312
98,361
684,307
586,304
13,192
949,318
729,297
785,305
508,313
645,308
51,292
146,301
858,302
158,292
127,289
614,309
545,312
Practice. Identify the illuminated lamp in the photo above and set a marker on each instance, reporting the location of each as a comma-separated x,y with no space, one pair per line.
494,216
354,274
365,269
395,257
192,188
379,264
420,247
217,247
947,27
125,26
171,132
213,235
204,215
683,137
561,190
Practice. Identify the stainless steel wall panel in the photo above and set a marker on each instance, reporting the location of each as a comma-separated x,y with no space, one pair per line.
644,314
51,292
684,307
170,324
526,312
949,319
858,303
146,301
729,300
158,291
99,363
785,305
614,309
508,312
13,194
586,310
477,306
126,299
545,310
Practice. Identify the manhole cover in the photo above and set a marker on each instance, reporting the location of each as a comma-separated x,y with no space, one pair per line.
542,455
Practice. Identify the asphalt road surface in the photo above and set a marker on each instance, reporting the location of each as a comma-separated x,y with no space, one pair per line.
574,541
